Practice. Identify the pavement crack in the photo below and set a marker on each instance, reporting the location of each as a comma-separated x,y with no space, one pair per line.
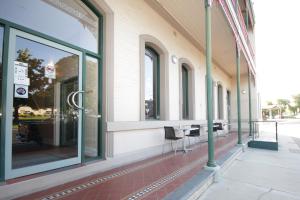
264,194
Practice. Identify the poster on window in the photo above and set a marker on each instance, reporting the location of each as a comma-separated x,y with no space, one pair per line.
50,71
21,80
21,73
21,91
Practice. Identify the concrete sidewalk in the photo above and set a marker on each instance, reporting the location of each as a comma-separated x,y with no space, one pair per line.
262,174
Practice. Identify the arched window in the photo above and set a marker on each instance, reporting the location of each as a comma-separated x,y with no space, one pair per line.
220,102
152,78
185,91
154,96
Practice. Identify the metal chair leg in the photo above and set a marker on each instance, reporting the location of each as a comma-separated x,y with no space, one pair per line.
189,141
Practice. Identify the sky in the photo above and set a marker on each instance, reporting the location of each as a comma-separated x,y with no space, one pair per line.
277,34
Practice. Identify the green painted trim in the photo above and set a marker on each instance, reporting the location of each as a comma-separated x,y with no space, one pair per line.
83,113
238,91
263,145
211,151
101,136
3,105
158,88
250,102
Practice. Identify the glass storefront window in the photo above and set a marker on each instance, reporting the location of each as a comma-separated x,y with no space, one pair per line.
70,21
151,84
1,51
91,108
45,127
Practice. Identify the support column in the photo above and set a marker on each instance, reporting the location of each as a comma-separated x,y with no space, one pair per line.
211,154
238,92
250,102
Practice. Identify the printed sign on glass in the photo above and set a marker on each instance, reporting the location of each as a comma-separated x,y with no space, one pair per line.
20,80
50,71
21,91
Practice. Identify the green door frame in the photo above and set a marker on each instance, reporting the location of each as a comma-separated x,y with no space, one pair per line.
99,56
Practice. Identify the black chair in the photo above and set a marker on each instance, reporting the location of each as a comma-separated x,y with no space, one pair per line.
194,133
218,126
170,135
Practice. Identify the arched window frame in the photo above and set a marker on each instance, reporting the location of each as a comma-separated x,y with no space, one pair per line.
220,101
183,62
163,92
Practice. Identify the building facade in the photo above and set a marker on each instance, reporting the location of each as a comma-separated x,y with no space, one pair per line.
98,80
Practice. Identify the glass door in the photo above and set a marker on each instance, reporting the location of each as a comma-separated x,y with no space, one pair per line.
44,97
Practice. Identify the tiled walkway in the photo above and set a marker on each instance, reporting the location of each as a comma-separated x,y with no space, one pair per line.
149,179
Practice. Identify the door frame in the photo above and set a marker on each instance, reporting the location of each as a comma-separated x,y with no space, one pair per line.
8,25
13,173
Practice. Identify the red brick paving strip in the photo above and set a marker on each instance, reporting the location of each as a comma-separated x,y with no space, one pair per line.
121,182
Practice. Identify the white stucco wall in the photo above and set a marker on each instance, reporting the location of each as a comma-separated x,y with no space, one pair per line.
132,18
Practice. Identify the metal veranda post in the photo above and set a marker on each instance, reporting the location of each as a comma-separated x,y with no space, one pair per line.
238,81
250,103
211,157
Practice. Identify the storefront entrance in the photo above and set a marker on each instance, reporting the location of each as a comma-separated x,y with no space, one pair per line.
44,94
51,102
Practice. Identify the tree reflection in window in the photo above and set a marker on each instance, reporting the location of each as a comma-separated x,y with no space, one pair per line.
151,84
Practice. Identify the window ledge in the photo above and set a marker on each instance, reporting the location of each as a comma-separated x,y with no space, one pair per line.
152,124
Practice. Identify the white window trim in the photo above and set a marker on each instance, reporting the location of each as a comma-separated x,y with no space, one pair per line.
164,75
191,89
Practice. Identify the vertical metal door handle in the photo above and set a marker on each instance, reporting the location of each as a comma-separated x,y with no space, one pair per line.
73,99
68,99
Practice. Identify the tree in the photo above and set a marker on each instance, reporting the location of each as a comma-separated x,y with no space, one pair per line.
296,99
40,91
293,109
282,104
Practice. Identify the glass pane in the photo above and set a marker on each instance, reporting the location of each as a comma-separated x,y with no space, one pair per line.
91,105
70,21
1,51
149,88
185,97
220,102
45,127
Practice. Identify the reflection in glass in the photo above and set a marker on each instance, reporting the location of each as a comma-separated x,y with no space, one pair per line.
91,108
151,59
185,93
1,50
220,101
70,21
44,126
